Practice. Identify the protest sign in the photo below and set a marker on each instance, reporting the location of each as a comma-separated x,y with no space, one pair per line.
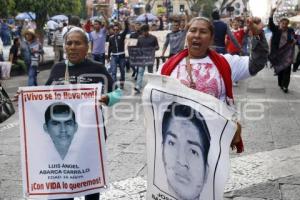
161,38
141,57
62,141
188,141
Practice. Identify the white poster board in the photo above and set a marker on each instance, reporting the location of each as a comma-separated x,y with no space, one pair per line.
62,141
188,141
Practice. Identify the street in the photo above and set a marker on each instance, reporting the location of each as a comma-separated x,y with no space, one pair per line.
268,169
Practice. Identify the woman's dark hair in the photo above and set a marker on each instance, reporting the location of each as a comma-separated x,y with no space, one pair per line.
16,40
145,28
183,111
215,15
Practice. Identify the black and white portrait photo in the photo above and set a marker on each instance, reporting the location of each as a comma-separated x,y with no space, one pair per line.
60,124
185,146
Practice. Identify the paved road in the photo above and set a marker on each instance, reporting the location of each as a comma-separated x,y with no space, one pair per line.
269,168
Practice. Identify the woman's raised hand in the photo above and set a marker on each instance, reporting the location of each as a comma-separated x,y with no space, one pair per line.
255,25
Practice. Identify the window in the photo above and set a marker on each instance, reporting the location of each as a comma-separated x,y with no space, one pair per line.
237,5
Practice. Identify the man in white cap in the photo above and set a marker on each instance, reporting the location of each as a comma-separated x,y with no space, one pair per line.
58,43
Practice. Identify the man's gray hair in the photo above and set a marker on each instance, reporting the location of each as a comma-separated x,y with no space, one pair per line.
79,31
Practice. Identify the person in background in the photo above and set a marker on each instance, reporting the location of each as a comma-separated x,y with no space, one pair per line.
15,55
1,50
239,34
5,33
58,43
31,50
297,36
98,38
221,30
176,38
88,26
134,35
116,51
281,35
146,40
51,26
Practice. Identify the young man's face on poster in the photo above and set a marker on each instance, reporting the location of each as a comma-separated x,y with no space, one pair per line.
185,146
182,155
61,127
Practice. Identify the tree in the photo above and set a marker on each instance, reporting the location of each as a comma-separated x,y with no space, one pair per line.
149,5
225,4
46,8
83,11
201,7
6,8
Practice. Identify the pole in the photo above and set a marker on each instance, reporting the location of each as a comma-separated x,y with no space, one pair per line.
118,10
167,6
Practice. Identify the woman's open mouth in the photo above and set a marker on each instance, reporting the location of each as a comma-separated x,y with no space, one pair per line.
196,44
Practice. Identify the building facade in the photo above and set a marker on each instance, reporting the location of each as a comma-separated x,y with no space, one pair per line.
237,8
95,6
173,7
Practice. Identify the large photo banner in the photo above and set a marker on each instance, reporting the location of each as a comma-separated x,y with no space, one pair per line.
62,141
188,141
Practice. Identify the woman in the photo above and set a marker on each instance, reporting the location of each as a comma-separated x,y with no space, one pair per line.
31,51
203,69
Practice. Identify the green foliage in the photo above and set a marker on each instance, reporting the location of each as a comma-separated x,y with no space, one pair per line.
83,10
6,8
204,7
51,7
43,9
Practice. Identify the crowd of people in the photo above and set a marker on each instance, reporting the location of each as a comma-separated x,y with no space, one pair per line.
199,48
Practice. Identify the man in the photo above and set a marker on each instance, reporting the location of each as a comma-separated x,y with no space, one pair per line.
51,26
60,124
145,40
176,38
58,43
15,55
135,33
282,35
98,38
74,23
185,143
116,51
221,30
